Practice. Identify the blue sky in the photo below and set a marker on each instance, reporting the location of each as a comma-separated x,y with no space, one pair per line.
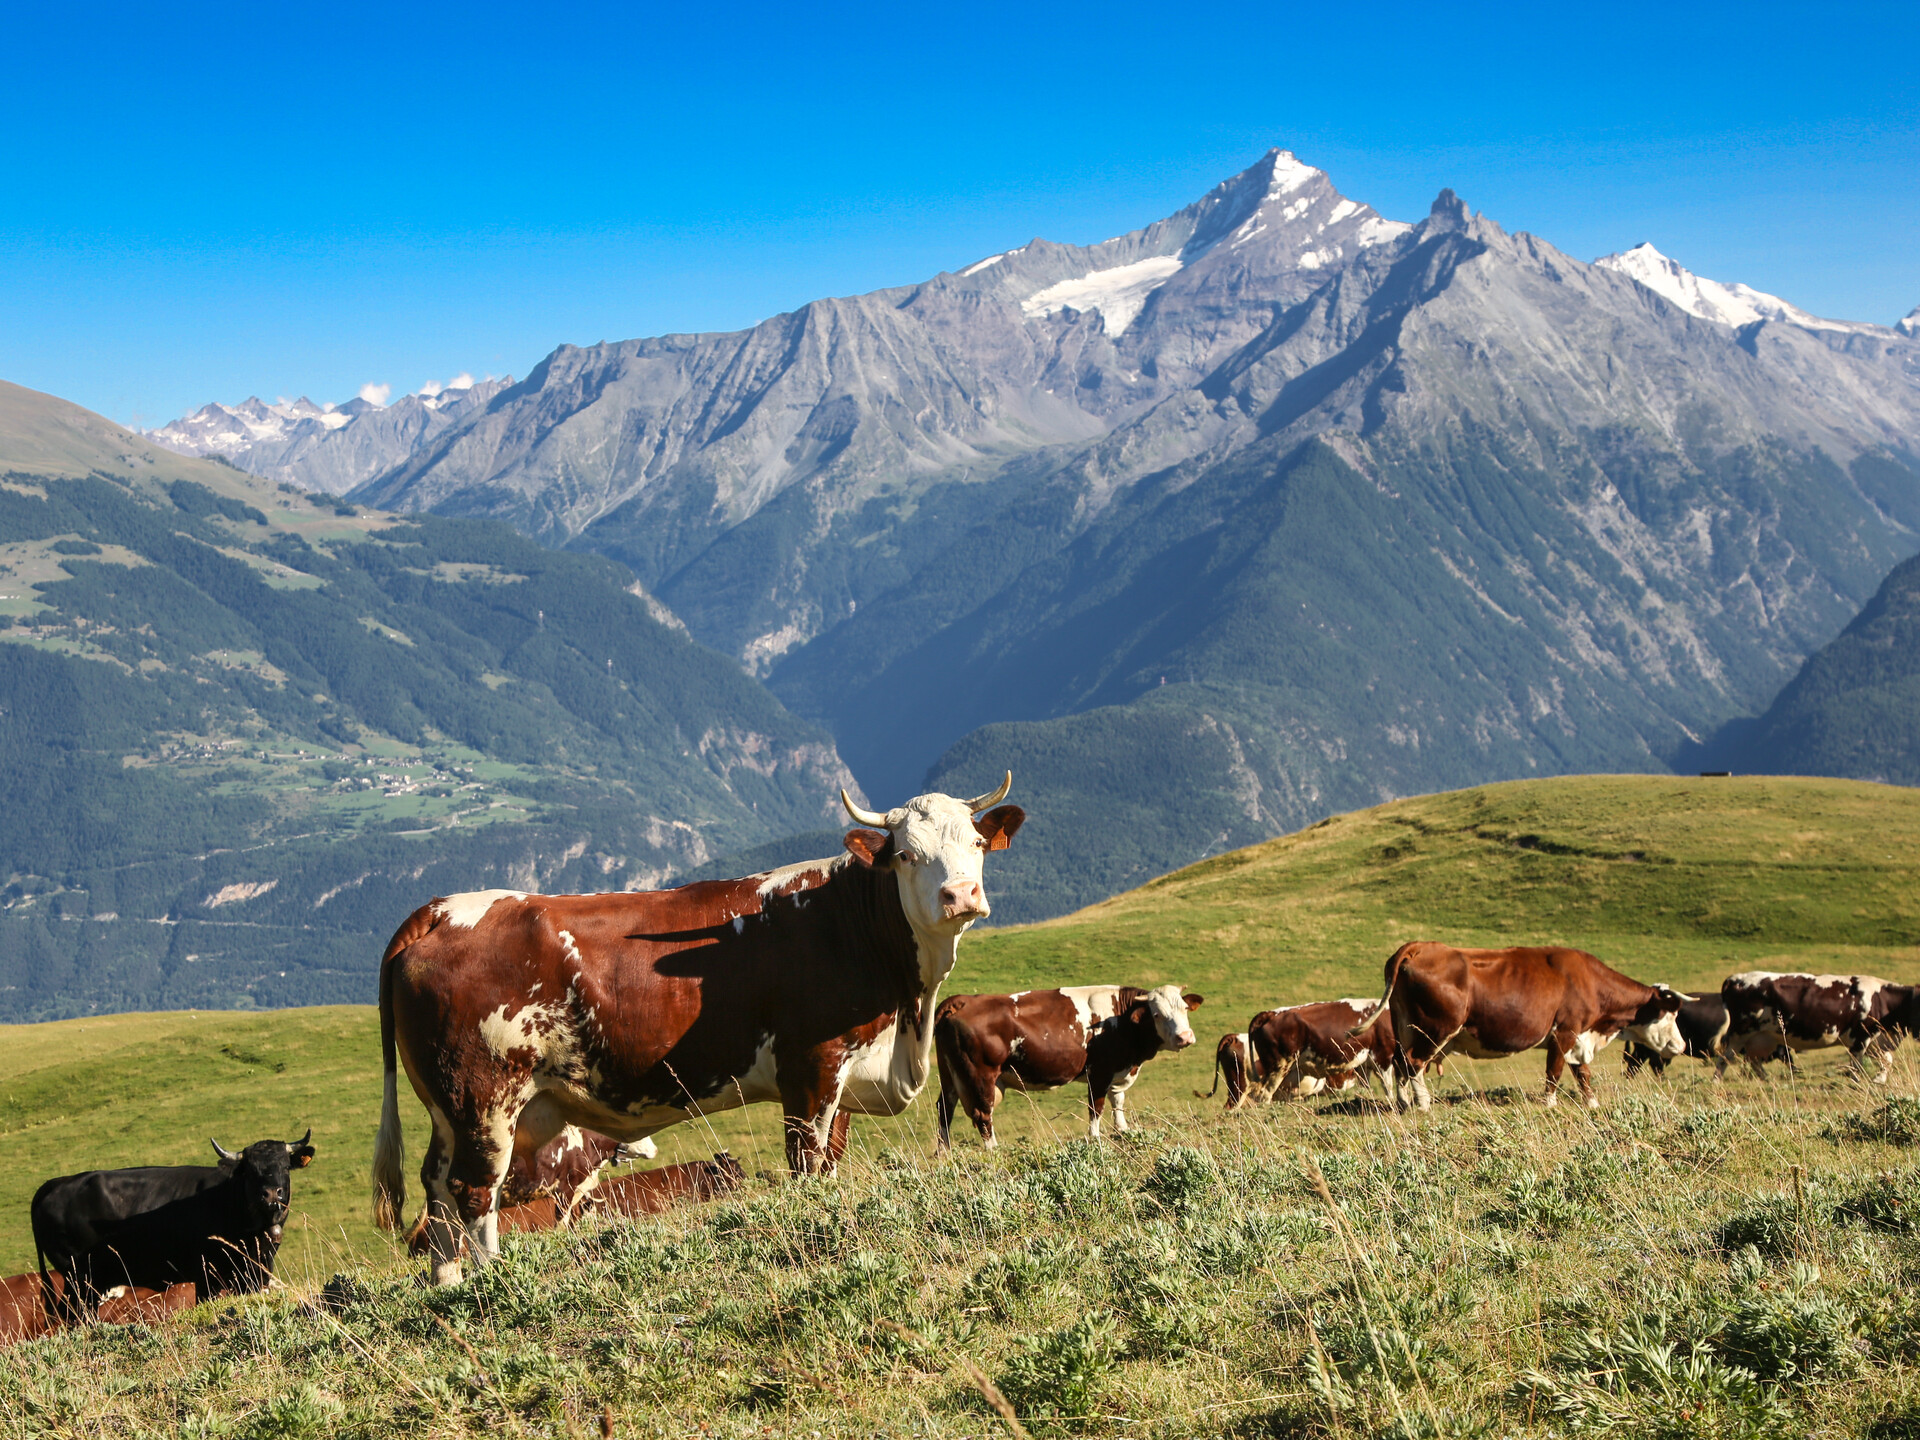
199,203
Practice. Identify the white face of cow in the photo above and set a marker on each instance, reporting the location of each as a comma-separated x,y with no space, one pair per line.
1169,1009
1657,1026
937,851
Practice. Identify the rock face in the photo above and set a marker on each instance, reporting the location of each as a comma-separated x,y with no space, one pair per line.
1271,508
329,448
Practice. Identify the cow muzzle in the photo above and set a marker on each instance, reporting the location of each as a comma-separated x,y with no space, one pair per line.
963,900
274,1232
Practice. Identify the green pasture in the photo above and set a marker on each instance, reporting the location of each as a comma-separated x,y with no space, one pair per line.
1667,879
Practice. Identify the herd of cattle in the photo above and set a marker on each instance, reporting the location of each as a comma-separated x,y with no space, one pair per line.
549,1036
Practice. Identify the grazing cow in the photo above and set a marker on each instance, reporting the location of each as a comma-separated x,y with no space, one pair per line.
560,1175
1811,1012
1233,1058
1303,1049
1043,1039
1490,1004
217,1227
812,985
1703,1025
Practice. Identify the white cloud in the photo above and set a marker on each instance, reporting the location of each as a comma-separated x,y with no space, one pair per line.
430,389
462,381
375,394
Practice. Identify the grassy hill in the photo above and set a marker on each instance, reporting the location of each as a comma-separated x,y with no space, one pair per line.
1682,880
1693,1259
245,730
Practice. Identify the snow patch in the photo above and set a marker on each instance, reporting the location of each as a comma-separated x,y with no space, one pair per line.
1342,211
979,265
1710,299
1377,231
1117,293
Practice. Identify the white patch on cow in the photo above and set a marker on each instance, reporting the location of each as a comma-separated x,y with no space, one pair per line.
739,924
1092,1004
761,1080
1585,1046
503,1033
463,912
567,948
777,879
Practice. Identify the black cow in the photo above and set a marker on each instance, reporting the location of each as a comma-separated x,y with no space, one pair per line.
216,1227
1703,1025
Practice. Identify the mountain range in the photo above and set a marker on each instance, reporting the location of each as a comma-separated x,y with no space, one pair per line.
246,729
1271,508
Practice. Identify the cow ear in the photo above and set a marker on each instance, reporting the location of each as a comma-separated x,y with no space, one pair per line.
997,827
1142,1015
869,847
1194,1002
302,1157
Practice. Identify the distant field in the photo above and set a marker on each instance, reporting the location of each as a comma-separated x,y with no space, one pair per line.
1681,880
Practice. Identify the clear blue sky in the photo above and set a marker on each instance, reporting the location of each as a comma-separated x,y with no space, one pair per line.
199,203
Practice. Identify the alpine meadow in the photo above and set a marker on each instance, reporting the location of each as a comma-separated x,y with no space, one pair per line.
785,872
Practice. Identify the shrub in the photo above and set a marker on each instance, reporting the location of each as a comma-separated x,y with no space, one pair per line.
1060,1373
1184,1178
1895,1123
1884,1202
1634,1379
1770,1225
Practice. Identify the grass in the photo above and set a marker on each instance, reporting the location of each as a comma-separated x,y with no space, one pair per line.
1714,1260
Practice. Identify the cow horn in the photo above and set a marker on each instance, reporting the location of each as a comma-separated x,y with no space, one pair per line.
993,798
301,1143
222,1151
865,817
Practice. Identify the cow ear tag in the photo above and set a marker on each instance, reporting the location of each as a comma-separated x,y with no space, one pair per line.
867,846
997,827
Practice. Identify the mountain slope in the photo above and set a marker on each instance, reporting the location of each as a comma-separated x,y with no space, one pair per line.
245,730
1854,707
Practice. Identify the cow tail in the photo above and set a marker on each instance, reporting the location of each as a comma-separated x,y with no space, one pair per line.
1386,998
390,1146
1216,1077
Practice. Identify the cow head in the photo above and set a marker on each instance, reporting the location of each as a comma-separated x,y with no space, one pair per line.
263,1172
1656,1023
936,846
1165,1009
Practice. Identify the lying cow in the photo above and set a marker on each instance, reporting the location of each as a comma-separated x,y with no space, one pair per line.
645,1192
27,1311
812,987
562,1173
1490,1004
216,1227
1703,1025
1043,1039
1869,1016
1323,1045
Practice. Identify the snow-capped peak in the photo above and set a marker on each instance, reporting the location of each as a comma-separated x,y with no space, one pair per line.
1710,299
1909,324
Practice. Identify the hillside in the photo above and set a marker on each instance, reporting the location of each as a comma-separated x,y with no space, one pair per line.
1322,508
1677,880
1854,708
247,729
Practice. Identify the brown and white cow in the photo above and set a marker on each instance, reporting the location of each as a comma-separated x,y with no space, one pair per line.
1233,1058
31,1305
1490,1004
1043,1039
563,1174
1322,1045
812,986
1868,1015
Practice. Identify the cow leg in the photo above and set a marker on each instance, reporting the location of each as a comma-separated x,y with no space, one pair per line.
1117,1093
1875,1050
443,1231
837,1140
1556,1063
811,1104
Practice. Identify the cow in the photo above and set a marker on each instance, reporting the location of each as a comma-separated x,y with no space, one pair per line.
649,1192
1303,1049
561,1174
1703,1025
1043,1039
26,1314
812,986
217,1227
1233,1058
1868,1015
1490,1004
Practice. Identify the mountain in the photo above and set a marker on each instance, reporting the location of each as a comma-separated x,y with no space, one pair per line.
1710,299
1271,508
244,729
328,448
1909,324
1854,708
